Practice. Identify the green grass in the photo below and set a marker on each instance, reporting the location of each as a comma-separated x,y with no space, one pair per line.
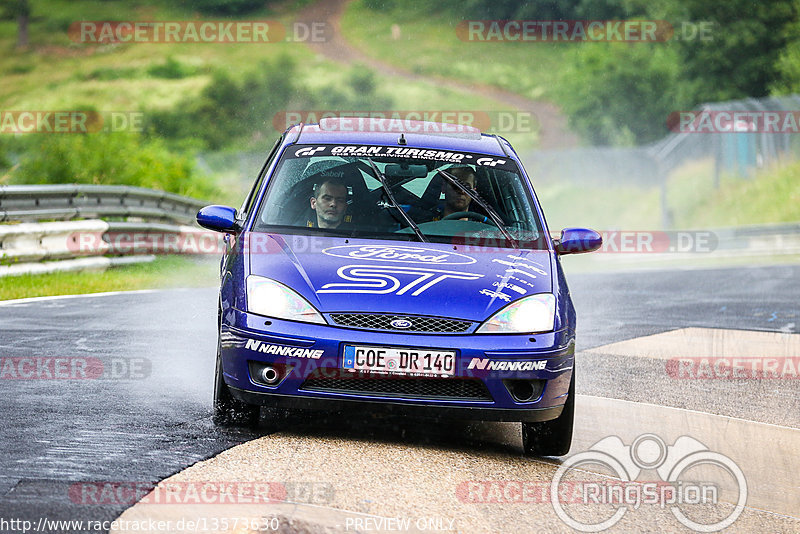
771,196
568,205
56,73
430,45
164,272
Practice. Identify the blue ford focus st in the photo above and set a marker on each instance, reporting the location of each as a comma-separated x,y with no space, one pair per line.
396,268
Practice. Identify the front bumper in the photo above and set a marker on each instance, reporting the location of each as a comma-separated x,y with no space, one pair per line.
306,354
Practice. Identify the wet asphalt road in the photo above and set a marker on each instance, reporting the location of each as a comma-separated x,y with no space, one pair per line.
153,418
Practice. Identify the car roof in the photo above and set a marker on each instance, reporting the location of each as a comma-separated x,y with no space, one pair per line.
387,132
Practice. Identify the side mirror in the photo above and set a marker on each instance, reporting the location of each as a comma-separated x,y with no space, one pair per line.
218,218
577,240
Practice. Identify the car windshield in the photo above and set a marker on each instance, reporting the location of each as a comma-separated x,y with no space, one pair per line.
401,193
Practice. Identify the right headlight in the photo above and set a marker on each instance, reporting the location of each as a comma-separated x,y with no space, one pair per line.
530,315
273,299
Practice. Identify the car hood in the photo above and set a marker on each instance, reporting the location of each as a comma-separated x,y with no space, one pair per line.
366,275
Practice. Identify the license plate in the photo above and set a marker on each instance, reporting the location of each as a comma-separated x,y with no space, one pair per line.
401,361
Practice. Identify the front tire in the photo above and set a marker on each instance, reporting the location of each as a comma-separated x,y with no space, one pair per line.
229,411
554,437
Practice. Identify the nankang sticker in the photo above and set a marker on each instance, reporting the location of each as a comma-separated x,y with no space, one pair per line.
495,365
399,254
282,350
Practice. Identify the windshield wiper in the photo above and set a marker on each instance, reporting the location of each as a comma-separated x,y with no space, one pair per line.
382,179
482,203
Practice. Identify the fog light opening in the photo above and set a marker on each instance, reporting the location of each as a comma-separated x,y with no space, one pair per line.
524,390
269,375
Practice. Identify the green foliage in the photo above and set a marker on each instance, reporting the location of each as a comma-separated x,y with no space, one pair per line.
172,69
622,94
363,81
225,7
5,162
230,111
740,59
116,158
21,68
15,8
616,93
788,63
111,73
514,9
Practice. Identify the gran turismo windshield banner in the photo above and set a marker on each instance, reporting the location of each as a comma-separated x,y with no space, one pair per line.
402,152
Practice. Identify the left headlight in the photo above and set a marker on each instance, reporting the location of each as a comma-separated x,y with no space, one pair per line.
530,315
273,299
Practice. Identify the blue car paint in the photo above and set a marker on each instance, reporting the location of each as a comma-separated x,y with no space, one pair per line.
308,269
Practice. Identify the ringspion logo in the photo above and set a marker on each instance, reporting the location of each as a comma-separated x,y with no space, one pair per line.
680,487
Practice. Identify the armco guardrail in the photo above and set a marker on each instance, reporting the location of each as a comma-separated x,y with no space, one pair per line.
77,238
67,202
756,239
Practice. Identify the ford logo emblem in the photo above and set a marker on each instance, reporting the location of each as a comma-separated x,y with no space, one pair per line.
401,323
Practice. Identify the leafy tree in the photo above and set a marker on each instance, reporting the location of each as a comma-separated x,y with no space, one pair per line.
228,110
110,158
20,10
225,7
623,93
740,60
617,93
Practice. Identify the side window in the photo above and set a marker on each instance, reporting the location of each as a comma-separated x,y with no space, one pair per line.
248,203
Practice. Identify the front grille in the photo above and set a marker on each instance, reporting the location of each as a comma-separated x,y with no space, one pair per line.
376,321
411,387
